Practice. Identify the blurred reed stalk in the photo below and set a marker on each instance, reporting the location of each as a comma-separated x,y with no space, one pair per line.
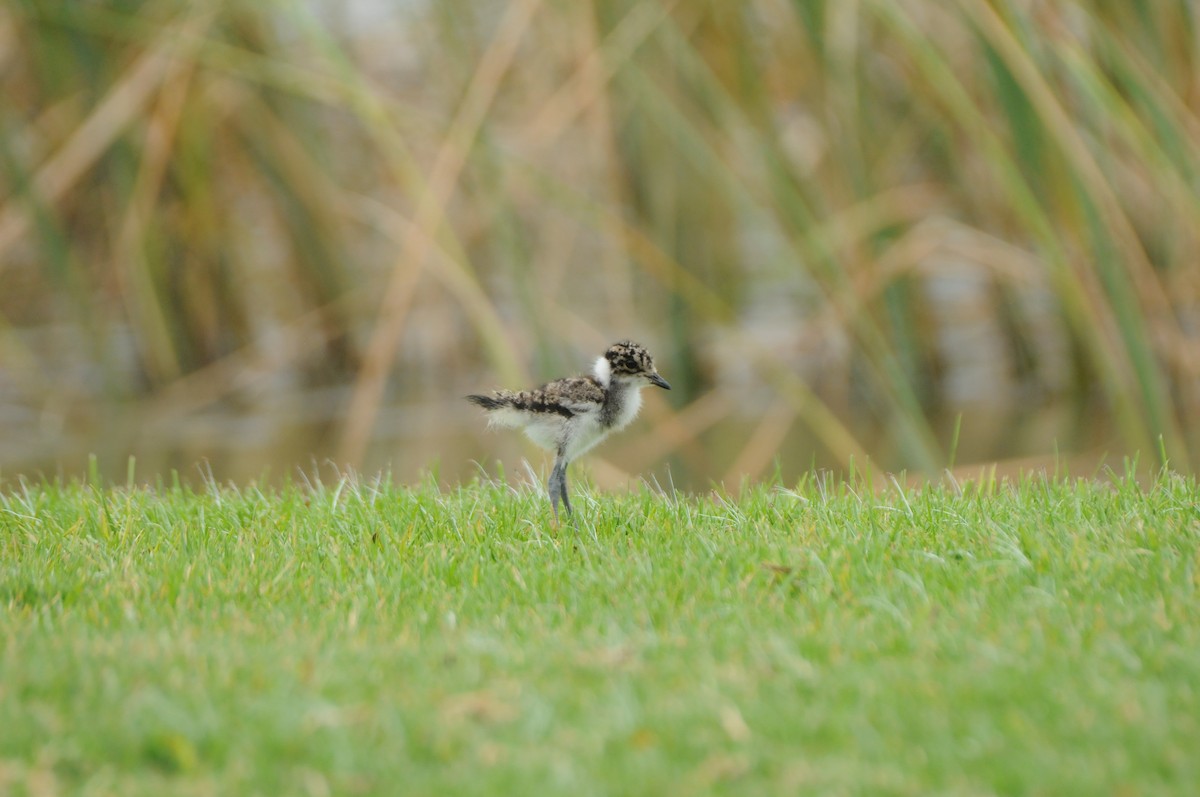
849,220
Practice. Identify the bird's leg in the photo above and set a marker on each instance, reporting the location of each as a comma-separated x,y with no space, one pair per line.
562,485
558,485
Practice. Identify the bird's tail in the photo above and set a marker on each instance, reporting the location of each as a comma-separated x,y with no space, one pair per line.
503,408
495,401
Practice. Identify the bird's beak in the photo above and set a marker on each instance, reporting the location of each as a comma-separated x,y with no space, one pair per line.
655,379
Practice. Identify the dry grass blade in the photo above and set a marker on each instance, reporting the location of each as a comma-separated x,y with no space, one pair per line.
132,269
431,208
125,102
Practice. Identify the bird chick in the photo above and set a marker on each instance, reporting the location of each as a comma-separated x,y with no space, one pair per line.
570,416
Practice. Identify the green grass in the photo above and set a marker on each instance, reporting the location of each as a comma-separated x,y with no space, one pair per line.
1042,638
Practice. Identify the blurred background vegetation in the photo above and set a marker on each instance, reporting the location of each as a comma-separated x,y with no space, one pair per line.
245,237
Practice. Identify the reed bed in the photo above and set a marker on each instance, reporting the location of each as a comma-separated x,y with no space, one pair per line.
908,232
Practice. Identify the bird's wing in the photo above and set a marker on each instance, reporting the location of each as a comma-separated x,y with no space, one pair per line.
563,397
579,394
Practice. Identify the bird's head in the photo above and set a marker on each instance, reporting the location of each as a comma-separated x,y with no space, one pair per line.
629,362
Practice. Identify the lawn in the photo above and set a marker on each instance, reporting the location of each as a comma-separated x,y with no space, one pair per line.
365,638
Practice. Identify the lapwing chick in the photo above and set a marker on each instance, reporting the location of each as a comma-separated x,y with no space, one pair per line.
569,416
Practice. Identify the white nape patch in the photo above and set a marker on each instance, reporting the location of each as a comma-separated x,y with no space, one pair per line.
602,371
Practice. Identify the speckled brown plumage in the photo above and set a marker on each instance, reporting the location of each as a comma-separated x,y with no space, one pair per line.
566,397
629,358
